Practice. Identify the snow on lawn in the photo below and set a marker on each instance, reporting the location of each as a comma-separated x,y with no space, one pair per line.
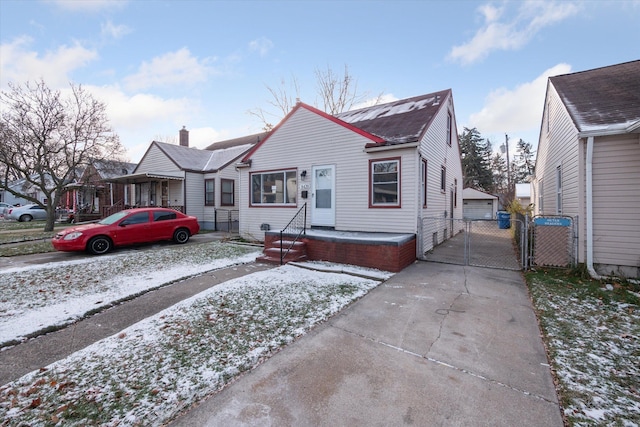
41,297
149,372
594,344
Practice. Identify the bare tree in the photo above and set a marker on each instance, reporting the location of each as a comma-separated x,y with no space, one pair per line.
281,100
339,93
47,140
336,93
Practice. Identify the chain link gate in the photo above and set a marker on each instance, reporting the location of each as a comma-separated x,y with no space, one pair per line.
480,243
553,241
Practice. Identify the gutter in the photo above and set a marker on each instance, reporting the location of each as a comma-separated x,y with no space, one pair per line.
377,148
589,189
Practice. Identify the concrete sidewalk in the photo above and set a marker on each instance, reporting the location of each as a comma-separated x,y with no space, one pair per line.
435,345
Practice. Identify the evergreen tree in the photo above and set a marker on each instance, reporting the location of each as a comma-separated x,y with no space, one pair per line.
476,160
499,170
524,162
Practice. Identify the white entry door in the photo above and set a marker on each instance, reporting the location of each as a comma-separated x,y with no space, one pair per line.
323,196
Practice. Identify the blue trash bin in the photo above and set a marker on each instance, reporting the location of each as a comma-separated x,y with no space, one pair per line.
504,220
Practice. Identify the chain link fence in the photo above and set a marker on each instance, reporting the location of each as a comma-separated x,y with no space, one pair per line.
511,242
227,220
481,243
553,241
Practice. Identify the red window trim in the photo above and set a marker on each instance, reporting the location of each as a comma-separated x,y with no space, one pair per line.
386,159
233,192
271,205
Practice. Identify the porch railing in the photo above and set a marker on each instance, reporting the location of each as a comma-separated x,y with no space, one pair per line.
297,226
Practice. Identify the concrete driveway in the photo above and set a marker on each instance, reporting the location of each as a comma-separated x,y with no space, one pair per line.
436,345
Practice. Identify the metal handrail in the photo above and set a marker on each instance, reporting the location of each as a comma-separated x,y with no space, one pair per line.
294,224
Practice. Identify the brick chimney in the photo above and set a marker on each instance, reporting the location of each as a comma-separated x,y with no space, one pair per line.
184,137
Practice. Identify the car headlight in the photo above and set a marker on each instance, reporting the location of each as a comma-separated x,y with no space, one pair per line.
72,236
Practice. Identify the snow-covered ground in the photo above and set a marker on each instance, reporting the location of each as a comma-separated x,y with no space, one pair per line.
147,373
46,296
594,345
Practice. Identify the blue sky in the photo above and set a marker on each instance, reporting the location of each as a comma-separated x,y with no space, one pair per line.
161,65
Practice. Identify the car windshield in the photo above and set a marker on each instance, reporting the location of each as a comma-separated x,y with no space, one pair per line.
113,218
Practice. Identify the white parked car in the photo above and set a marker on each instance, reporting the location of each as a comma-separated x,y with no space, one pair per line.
27,213
4,208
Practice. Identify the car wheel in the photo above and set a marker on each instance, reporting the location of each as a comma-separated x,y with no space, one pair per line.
25,218
181,235
99,245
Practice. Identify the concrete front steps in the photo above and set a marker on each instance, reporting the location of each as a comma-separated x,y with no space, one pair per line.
271,252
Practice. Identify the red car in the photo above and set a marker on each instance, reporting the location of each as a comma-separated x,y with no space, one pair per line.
127,227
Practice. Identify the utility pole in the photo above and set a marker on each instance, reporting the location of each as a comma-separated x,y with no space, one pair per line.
505,148
506,143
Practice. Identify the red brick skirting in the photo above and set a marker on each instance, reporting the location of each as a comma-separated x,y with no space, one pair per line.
383,254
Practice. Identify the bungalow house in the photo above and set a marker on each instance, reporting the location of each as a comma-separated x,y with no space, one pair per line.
197,182
370,181
93,196
24,186
478,204
588,164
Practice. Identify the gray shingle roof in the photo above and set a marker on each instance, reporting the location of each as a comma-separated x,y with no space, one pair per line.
194,159
607,97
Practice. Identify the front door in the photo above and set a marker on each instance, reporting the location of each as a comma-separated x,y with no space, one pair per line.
323,196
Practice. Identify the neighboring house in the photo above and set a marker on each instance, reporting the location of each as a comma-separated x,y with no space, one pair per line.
478,204
381,169
93,195
588,164
523,194
23,186
197,182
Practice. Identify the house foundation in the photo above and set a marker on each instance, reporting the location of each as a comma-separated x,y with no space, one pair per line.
384,251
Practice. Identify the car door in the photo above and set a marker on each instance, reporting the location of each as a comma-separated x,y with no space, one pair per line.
134,228
163,225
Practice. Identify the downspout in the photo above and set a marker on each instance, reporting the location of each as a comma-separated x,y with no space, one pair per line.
589,189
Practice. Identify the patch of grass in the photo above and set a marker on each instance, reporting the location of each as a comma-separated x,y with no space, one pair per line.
591,329
28,248
578,284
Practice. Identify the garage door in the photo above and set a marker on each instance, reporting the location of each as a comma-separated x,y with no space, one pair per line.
478,209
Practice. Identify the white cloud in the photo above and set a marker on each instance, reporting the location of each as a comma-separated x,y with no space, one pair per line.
173,68
504,34
112,31
515,110
18,63
262,45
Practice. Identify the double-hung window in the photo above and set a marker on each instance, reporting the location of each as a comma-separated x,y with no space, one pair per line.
559,190
274,188
227,190
209,192
424,183
385,182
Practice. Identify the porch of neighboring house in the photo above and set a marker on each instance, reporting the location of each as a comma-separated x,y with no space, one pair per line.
90,202
382,251
146,189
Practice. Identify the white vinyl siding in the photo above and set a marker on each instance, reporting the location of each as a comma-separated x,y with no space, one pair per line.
156,161
307,139
194,194
434,149
558,146
616,201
